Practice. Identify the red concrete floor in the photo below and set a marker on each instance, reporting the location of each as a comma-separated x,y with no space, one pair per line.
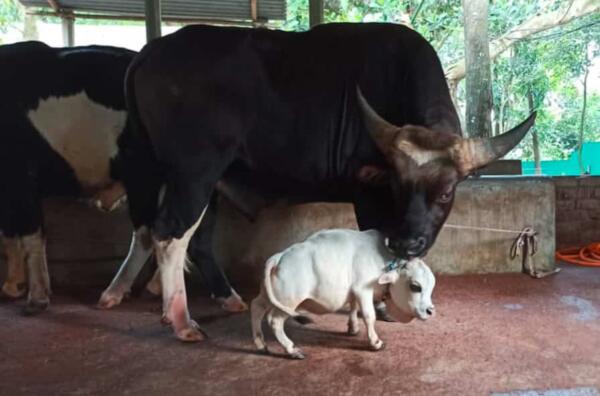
491,334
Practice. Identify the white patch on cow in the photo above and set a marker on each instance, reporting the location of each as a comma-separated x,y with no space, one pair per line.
83,132
419,155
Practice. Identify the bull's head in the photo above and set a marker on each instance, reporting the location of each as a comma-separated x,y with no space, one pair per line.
424,167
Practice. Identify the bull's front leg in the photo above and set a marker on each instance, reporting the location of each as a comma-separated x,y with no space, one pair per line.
365,300
15,284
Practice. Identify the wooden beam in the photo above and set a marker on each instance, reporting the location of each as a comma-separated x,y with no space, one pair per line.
55,6
187,20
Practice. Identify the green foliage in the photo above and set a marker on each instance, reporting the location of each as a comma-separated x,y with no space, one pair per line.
11,13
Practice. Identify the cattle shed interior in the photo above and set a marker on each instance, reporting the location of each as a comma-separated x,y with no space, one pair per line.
497,329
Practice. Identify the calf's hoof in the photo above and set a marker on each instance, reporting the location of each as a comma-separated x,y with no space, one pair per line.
352,331
263,351
296,354
110,299
233,303
190,333
378,346
35,307
382,314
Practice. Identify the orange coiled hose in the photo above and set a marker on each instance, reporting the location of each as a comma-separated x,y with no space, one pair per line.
588,256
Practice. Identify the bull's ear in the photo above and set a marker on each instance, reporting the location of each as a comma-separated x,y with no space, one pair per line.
382,132
373,175
474,153
388,277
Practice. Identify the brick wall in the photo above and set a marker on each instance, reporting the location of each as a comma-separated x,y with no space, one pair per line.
577,210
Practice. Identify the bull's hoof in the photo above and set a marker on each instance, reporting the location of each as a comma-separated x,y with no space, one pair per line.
233,304
110,299
382,314
378,346
296,355
34,307
190,333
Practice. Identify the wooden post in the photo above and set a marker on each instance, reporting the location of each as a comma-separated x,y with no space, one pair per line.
315,12
153,19
68,29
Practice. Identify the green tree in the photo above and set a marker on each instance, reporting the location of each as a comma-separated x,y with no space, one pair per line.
11,13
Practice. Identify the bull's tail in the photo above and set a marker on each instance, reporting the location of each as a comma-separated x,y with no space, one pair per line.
269,267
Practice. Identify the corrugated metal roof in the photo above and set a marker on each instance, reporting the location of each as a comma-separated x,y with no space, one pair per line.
220,9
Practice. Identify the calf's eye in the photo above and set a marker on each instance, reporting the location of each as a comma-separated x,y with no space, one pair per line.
415,287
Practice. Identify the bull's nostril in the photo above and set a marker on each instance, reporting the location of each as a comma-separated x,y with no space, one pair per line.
421,242
429,311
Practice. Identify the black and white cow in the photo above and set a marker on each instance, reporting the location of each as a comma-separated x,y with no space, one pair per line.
62,113
280,111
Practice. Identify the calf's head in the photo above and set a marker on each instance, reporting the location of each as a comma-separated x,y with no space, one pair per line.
423,169
410,291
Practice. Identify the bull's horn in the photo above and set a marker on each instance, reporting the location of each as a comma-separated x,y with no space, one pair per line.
381,131
475,153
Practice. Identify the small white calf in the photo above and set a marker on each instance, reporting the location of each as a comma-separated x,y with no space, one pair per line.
333,268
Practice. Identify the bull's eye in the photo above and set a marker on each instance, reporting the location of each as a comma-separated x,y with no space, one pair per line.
415,287
445,197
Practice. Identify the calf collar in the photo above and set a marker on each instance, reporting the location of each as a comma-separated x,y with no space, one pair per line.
394,264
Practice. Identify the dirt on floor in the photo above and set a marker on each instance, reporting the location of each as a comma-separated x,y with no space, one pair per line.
496,333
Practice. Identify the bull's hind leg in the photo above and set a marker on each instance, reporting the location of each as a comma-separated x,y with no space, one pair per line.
15,284
184,205
201,254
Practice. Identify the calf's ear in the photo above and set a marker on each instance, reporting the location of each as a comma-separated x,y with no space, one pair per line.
388,277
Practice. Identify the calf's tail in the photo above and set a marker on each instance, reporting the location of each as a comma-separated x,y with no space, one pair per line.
271,264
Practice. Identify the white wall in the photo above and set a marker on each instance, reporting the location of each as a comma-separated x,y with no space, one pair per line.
128,36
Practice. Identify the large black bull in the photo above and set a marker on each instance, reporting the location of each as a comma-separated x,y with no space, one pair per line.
280,113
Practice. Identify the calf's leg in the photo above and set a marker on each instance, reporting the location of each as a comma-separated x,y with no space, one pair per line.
277,324
353,318
258,308
365,300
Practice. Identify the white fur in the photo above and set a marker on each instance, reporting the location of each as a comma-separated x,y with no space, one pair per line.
83,132
419,155
171,255
333,268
